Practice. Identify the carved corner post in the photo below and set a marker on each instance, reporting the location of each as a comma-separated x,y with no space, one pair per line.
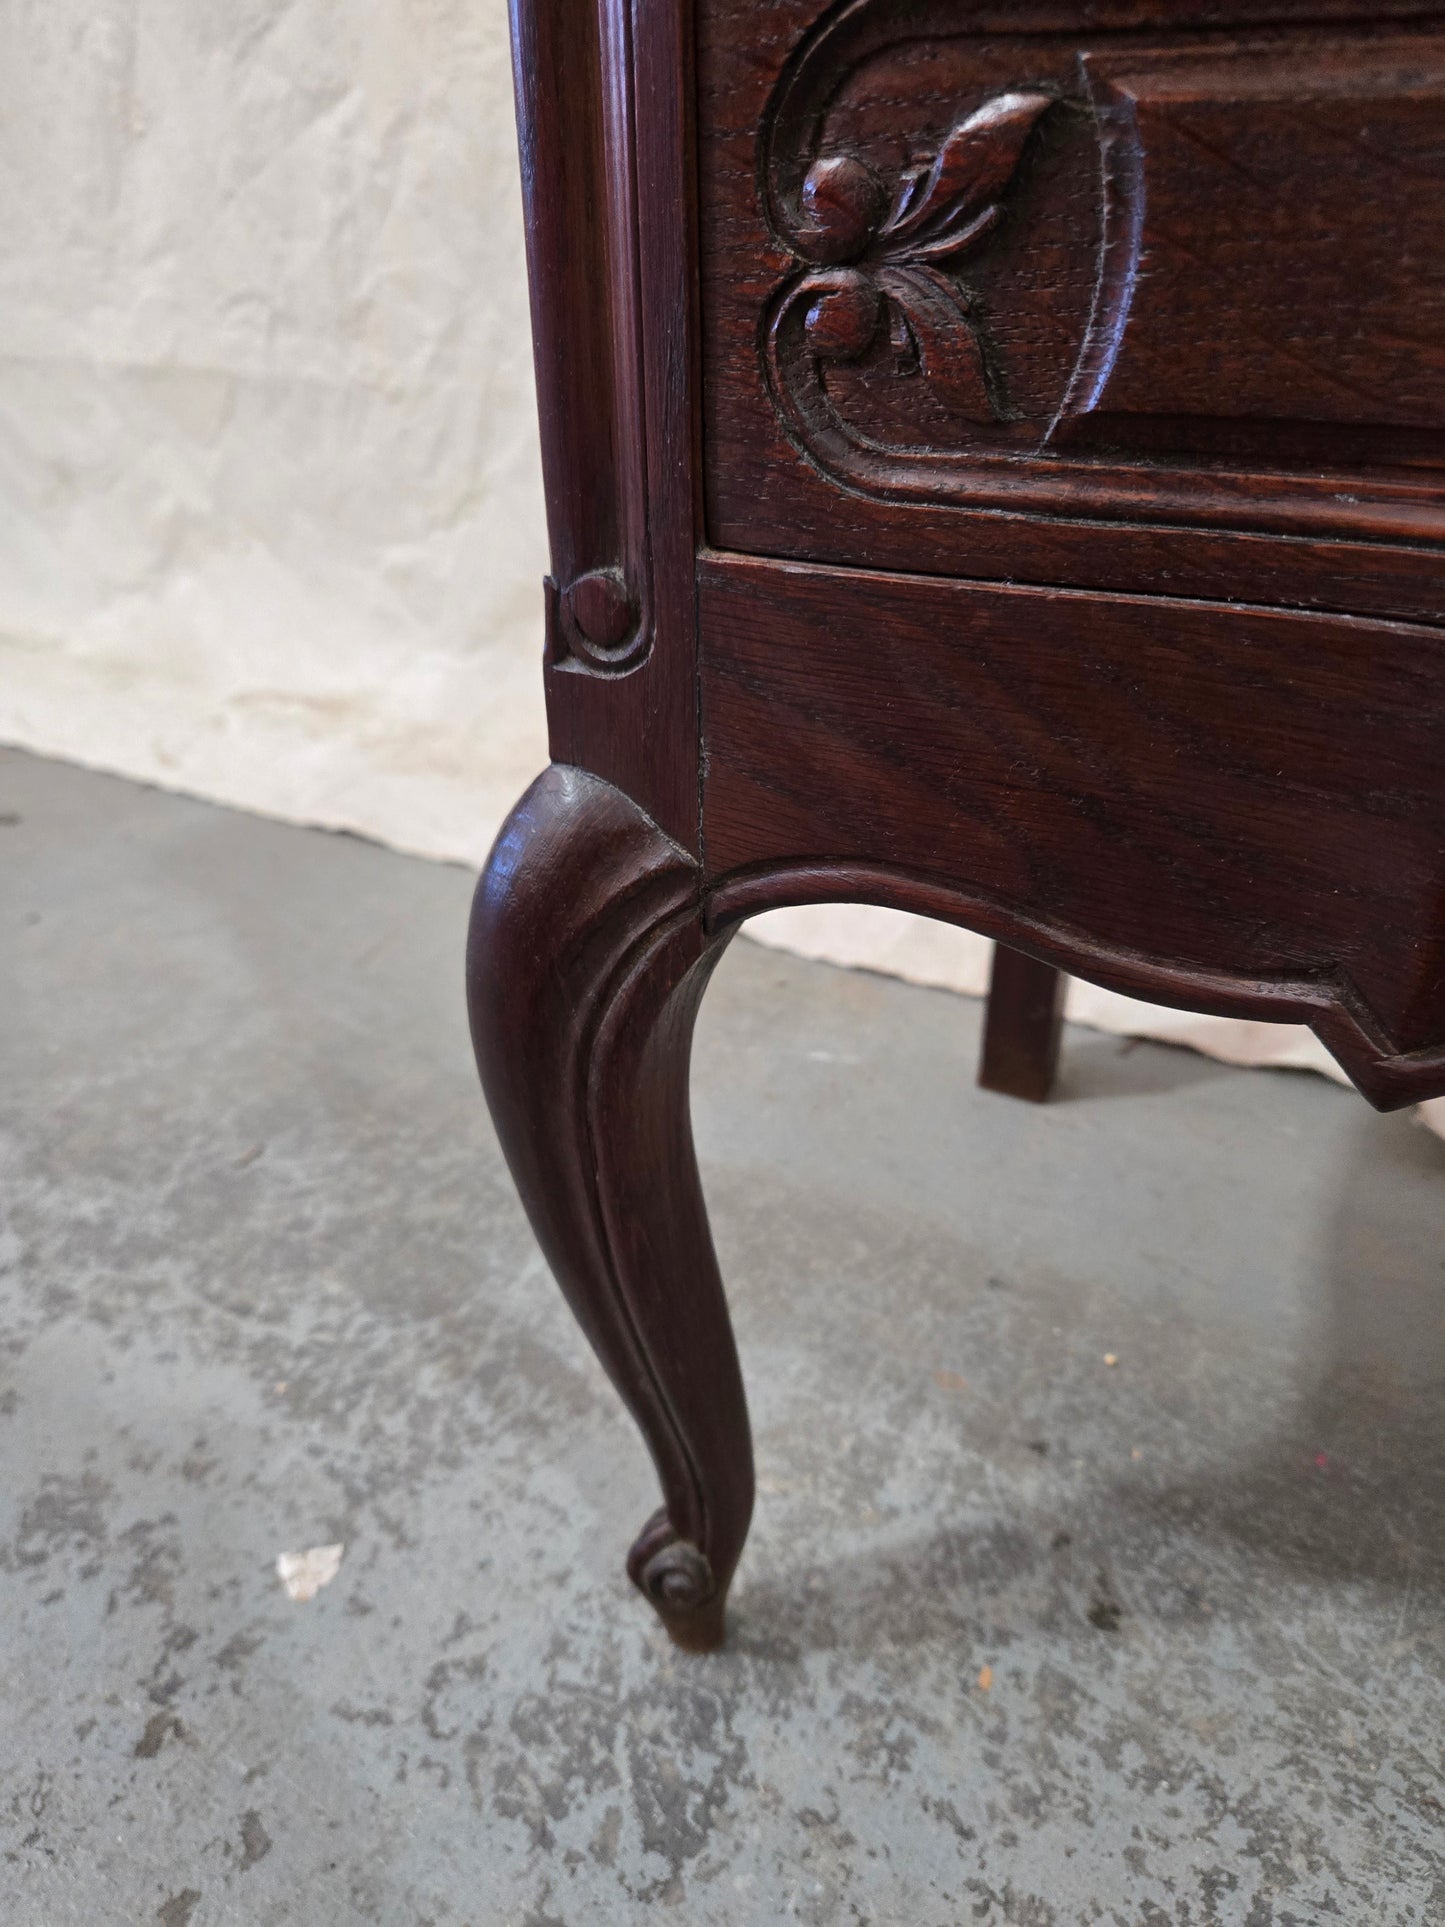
588,953
603,92
575,126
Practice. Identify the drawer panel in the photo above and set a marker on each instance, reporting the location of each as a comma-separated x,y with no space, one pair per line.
1246,793
1279,221
998,301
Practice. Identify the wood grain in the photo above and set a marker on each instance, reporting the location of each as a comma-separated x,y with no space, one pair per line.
1205,316
1232,809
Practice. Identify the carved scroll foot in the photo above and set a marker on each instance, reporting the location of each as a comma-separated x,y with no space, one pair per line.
586,962
676,1577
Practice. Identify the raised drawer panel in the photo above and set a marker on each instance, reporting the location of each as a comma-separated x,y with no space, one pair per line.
1281,219
1141,307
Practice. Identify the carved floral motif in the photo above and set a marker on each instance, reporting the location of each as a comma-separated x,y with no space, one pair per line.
881,258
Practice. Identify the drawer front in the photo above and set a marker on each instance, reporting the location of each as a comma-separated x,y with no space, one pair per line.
1141,308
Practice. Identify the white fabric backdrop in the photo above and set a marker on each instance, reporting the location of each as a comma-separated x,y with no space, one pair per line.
270,511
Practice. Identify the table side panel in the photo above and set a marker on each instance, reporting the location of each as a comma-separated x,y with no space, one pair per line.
1245,793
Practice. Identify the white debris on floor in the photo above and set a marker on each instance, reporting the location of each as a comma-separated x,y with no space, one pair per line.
303,1574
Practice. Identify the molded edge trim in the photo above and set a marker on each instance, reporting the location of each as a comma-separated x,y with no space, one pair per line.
1330,1006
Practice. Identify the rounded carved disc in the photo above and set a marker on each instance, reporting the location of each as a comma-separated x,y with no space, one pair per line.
601,611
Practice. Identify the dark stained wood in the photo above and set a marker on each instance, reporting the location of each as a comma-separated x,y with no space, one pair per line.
1160,301
1290,256
1023,1019
995,462
1239,810
603,113
586,960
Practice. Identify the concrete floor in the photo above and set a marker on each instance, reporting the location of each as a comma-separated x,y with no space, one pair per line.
1020,1636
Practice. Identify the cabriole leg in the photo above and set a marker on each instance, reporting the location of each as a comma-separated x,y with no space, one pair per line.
586,961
